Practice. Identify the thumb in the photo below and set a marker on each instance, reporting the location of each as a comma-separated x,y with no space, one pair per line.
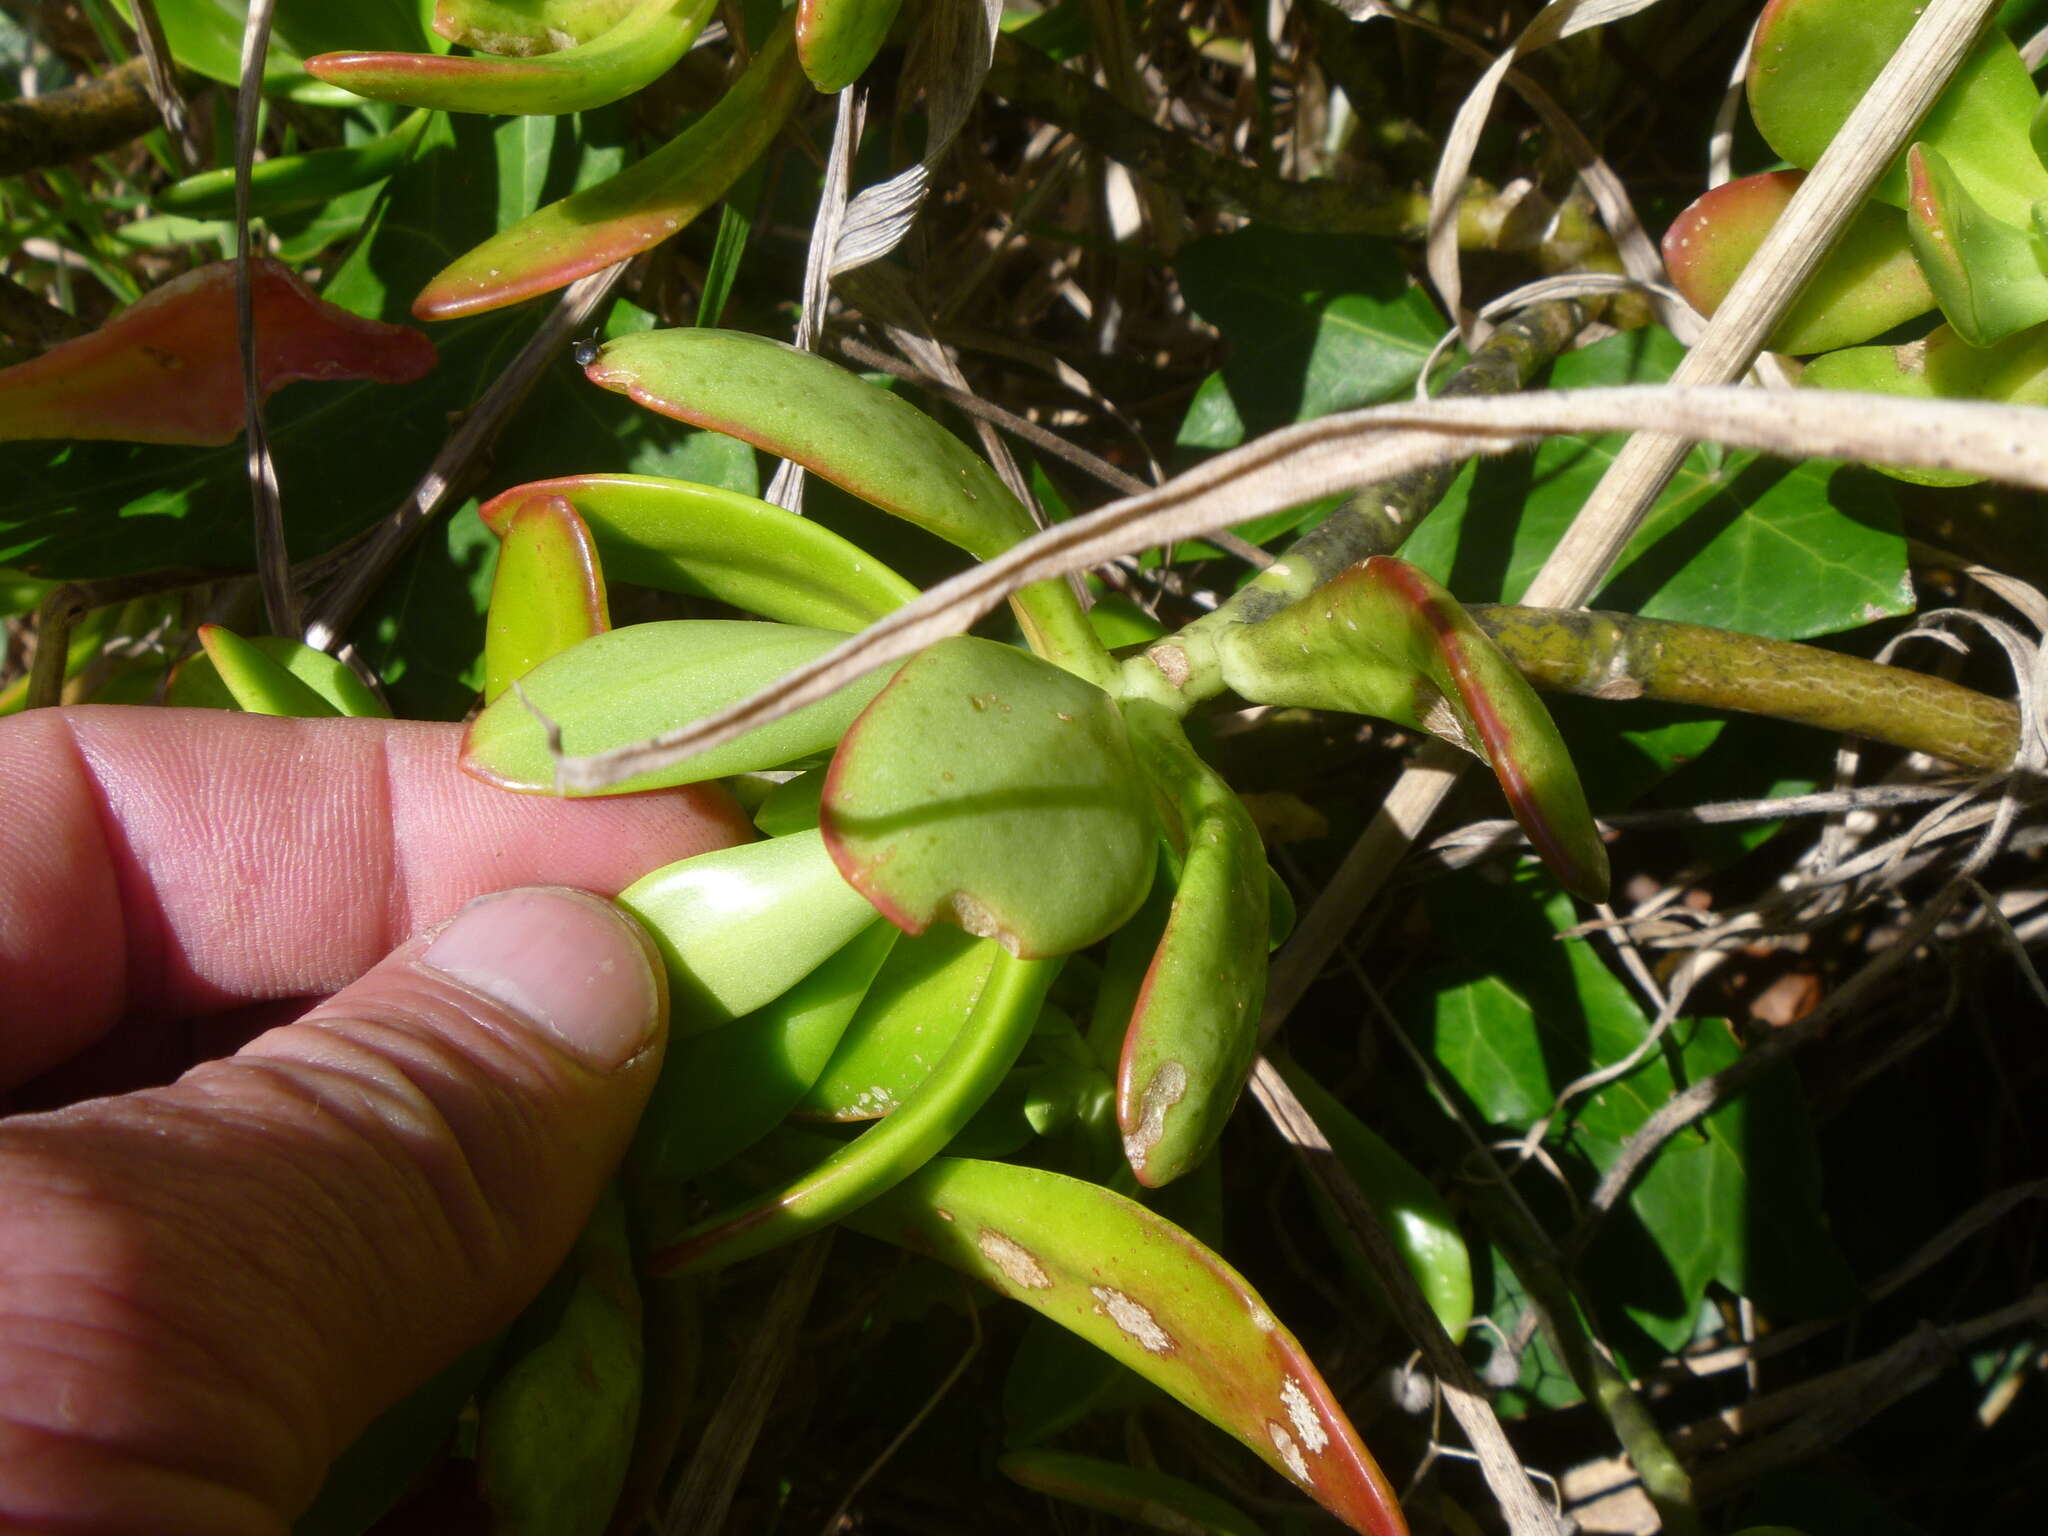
207,1290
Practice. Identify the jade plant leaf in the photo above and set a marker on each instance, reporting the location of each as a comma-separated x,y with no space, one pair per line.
1195,1027
716,543
635,51
638,208
890,1150
629,684
1812,60
1144,1291
167,369
1867,283
803,407
258,684
1417,1221
1940,366
1986,274
989,789
285,182
723,1089
546,595
1384,639
918,1005
1142,1495
555,1428
526,27
838,39
740,926
199,683
206,36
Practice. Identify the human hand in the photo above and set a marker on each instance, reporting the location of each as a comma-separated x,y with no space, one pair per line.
207,1289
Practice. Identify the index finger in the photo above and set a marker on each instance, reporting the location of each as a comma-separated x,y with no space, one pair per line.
169,863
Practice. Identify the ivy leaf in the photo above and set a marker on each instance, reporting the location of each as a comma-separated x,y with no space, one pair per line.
1738,541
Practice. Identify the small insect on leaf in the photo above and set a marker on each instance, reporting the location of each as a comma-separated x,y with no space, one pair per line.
585,350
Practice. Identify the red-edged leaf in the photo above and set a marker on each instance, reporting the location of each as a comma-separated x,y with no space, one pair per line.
548,593
167,370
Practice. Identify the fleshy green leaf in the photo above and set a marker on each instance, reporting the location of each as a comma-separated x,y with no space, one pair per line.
638,49
167,369
555,1429
740,926
1417,1221
200,684
838,39
989,789
1737,541
548,593
633,211
1384,639
918,1005
1867,283
800,406
1812,60
723,1089
1941,366
255,682
1142,1495
636,682
296,181
1985,273
892,1149
1194,1030
526,27
1144,1291
206,36
716,543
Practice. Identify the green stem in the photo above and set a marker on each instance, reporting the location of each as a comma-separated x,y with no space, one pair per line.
1182,671
1622,656
79,121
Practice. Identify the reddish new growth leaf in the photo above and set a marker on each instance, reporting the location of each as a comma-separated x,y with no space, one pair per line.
167,368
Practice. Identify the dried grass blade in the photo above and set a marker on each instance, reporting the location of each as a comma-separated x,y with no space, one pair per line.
1320,458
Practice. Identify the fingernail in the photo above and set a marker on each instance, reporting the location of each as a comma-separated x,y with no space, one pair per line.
565,960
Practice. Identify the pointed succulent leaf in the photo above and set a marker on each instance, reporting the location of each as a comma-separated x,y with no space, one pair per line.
723,1089
740,926
1142,1495
1940,366
629,684
910,1017
989,789
206,36
634,52
1986,274
555,1427
526,27
547,595
296,181
630,212
838,39
1812,61
803,407
1867,283
1143,1290
199,684
1384,639
1417,1221
258,684
167,369
792,806
890,1150
1195,1027
738,549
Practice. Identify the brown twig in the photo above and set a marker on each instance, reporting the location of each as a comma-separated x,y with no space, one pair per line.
81,120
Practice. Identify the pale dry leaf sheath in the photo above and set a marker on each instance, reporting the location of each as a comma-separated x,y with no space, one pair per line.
1321,458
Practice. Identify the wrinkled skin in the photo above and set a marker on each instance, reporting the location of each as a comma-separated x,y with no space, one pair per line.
208,1288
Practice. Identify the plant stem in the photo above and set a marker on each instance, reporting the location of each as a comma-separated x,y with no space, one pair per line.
1184,670
1622,656
79,121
